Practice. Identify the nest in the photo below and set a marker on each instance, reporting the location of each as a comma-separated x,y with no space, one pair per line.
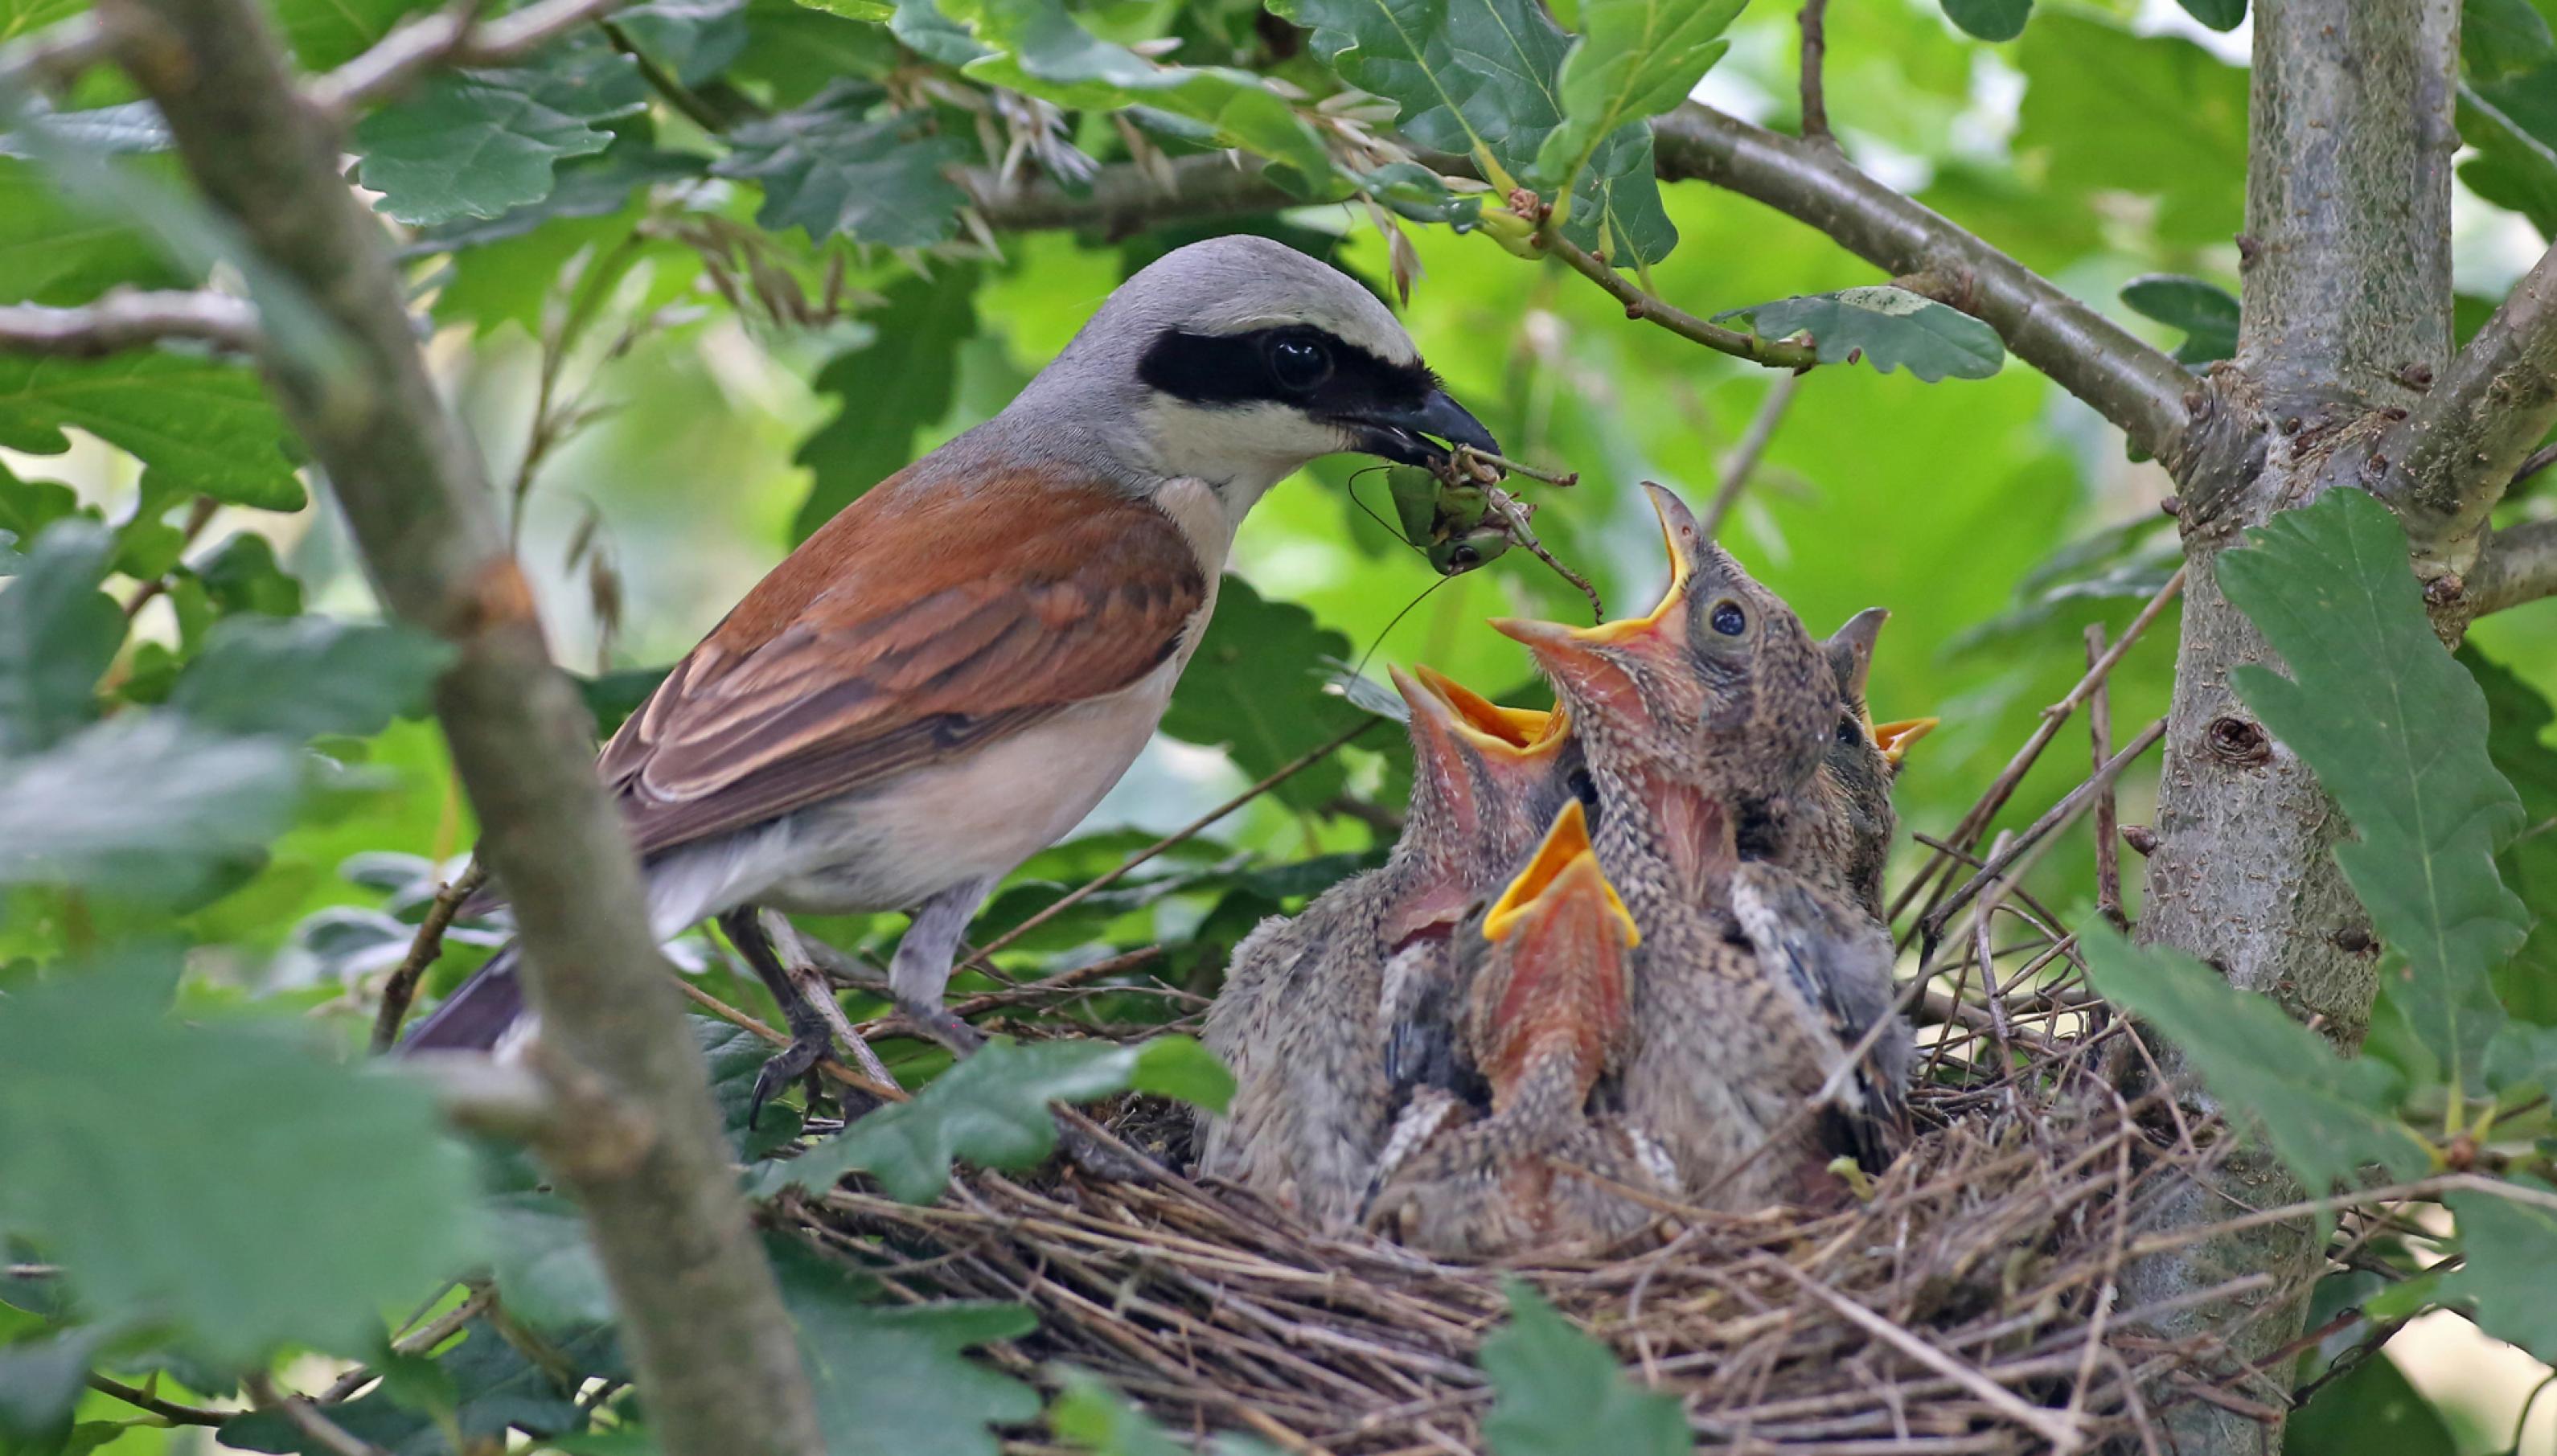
1970,1304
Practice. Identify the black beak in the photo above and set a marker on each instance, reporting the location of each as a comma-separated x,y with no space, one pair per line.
1402,434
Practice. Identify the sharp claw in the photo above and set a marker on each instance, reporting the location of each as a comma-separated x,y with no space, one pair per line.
789,1065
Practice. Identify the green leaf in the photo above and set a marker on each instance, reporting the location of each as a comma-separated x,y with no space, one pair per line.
41,1381
1483,78
2514,168
2396,732
2499,39
53,252
1560,1393
2105,110
736,1057
23,17
2511,1268
2518,719
895,1378
325,34
614,696
899,385
199,426
546,1268
242,575
826,170
58,633
144,805
2205,312
477,142
483,1386
2218,15
2371,1408
1889,325
2326,1116
1990,19
992,1109
1089,1414
280,1198
1042,50
694,39
1254,689
302,677
1634,59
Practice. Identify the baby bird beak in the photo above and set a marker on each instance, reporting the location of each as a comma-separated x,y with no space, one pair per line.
1894,738
1453,725
1562,890
1588,660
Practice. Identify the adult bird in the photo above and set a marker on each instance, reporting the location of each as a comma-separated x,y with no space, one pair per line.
948,675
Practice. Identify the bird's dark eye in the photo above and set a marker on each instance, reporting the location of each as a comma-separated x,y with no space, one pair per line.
1300,364
1847,729
1729,619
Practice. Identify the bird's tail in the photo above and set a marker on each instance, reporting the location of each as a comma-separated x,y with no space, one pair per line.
477,1014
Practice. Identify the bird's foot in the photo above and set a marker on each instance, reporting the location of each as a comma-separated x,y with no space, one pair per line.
935,1024
808,1046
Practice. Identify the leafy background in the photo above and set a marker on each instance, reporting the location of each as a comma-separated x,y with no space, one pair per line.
700,289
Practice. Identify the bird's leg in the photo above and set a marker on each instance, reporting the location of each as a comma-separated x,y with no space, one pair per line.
810,1037
922,970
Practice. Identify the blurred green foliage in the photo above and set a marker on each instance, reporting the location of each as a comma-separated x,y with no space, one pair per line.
697,282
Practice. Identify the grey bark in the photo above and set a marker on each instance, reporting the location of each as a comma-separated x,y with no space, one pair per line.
2345,309
2443,467
712,1349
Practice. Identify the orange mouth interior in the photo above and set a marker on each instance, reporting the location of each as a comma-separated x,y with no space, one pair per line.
1562,863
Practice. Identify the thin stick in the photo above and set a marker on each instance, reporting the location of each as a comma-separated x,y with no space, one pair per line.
1967,833
2063,1433
2059,816
2099,743
1816,107
428,943
1743,459
810,979
1774,354
1509,510
747,1021
1076,896
1033,990
168,1410
306,1418
1464,463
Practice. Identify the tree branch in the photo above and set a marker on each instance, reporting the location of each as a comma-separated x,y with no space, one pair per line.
129,318
2517,566
1125,197
710,1344
1773,354
2130,383
454,36
1814,19
2450,458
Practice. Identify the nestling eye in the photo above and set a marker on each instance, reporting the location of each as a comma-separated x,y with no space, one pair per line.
1729,619
1847,729
1299,365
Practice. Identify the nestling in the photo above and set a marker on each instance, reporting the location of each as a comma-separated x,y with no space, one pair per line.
1302,1018
948,675
1705,723
1546,1014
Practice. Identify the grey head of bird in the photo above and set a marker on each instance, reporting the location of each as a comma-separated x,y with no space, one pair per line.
1238,359
1848,837
1717,693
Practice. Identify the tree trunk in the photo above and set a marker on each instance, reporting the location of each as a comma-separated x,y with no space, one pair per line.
2347,304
